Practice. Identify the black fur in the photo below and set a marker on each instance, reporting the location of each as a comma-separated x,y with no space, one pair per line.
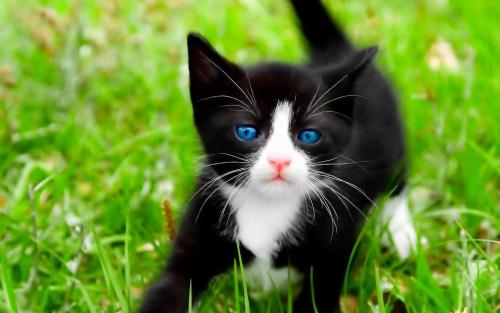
364,127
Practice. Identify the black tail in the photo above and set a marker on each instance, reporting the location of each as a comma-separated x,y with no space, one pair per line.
323,35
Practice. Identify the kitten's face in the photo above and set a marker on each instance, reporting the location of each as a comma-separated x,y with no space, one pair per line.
272,128
279,166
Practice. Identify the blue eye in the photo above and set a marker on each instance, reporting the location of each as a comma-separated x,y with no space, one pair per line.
246,133
309,136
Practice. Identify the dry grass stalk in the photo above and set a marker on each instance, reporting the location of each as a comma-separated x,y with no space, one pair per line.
169,219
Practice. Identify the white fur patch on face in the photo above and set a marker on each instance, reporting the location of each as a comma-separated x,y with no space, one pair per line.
267,210
279,146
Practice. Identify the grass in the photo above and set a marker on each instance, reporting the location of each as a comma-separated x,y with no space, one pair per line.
96,129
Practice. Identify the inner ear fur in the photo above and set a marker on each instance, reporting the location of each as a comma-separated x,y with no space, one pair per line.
208,70
347,75
361,60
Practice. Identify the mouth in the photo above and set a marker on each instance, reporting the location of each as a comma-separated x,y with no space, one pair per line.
278,178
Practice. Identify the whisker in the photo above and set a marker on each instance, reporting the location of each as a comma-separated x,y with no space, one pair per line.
359,165
213,192
223,96
355,206
240,107
212,181
348,163
243,104
229,77
252,93
318,180
340,163
355,187
334,191
328,90
337,98
338,194
331,112
327,205
332,159
344,163
236,191
314,96
220,163
241,157
312,205
304,190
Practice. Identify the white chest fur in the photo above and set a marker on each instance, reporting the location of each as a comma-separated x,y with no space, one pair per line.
262,276
262,221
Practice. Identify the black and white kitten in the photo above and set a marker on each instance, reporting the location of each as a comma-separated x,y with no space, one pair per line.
295,156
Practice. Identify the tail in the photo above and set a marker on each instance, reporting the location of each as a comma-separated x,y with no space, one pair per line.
323,35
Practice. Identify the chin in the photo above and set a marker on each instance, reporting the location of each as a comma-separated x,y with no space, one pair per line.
279,188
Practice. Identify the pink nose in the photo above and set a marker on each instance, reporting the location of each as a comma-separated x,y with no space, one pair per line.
279,164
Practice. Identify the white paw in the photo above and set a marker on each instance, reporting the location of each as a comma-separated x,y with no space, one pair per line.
399,223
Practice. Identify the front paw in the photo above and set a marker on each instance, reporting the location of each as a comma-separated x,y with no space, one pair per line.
168,295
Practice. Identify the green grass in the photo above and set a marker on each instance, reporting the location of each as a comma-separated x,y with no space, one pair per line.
96,129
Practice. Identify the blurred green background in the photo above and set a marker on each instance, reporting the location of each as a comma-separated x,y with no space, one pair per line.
96,129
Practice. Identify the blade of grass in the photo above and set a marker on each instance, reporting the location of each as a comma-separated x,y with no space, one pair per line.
289,290
109,273
487,156
276,295
479,249
138,140
88,299
448,212
128,280
311,282
190,304
3,307
426,284
243,279
380,293
29,236
236,287
7,283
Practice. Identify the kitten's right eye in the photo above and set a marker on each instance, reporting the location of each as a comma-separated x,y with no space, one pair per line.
246,132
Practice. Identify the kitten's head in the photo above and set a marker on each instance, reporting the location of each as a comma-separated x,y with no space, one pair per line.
272,127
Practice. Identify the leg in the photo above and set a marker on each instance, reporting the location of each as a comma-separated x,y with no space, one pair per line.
328,273
327,287
198,256
396,216
169,294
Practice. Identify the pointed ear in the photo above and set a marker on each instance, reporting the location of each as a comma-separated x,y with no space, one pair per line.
354,66
351,67
348,74
208,70
361,60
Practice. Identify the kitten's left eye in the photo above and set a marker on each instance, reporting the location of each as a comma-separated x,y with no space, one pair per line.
246,132
309,136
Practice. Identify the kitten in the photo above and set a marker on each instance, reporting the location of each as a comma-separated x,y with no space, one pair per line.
295,156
